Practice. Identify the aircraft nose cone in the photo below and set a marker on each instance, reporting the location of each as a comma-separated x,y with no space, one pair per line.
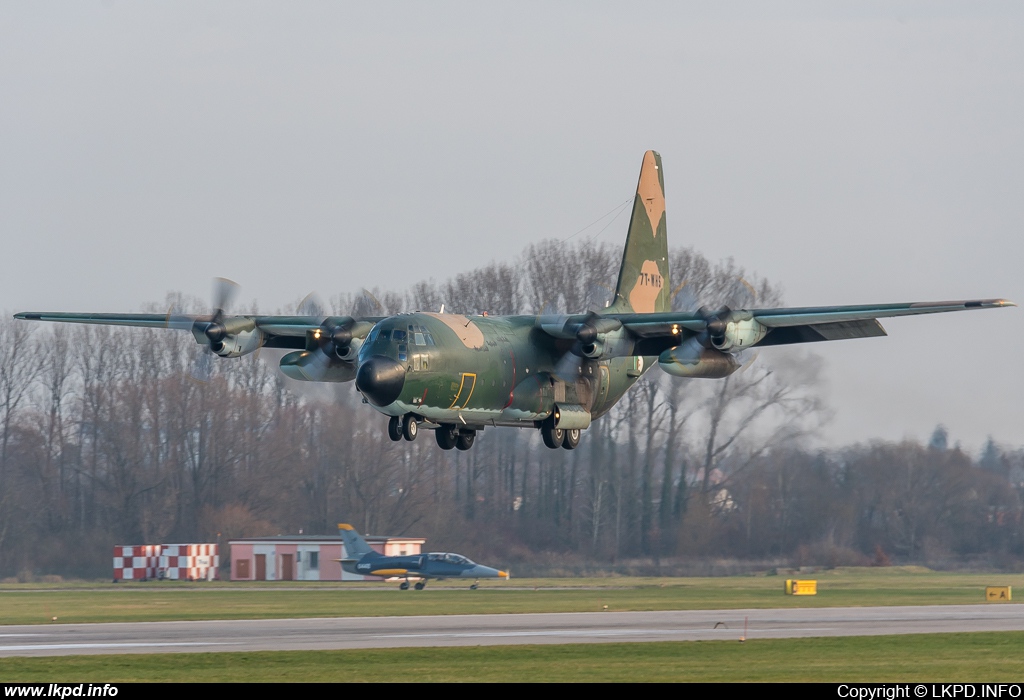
479,571
380,379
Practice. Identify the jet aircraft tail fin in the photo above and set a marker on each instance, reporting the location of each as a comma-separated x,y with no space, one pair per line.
355,546
643,285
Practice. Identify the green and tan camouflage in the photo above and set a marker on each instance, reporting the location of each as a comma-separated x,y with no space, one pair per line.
643,284
458,375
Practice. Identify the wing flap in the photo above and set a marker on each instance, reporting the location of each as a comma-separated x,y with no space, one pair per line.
815,333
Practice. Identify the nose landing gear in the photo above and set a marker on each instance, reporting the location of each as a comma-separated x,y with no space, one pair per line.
406,426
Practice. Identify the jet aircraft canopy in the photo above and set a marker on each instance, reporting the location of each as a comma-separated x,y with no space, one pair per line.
450,558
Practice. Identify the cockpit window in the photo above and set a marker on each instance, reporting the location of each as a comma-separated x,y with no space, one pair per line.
373,335
419,339
448,558
385,334
398,336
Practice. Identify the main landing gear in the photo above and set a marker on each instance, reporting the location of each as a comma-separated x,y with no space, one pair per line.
419,585
560,437
449,436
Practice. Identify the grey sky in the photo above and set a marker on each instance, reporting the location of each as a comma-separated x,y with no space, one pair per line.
855,153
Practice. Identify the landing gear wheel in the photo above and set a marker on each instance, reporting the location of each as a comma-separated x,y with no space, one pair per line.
419,585
395,428
572,438
409,427
474,586
553,436
466,439
446,435
403,586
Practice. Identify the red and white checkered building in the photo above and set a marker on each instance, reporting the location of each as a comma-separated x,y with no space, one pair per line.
189,562
137,562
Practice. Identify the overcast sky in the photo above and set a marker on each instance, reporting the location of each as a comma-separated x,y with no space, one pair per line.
854,153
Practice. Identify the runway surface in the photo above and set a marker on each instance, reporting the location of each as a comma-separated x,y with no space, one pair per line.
472,630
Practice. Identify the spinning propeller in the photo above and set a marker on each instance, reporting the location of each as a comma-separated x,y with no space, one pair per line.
209,331
739,293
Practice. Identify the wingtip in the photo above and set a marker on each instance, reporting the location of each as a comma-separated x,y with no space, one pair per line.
1004,302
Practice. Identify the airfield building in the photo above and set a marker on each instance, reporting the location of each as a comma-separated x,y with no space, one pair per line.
306,557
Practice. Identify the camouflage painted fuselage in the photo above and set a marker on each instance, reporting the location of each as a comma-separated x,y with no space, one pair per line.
485,371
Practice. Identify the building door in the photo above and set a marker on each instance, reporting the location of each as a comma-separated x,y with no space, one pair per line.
261,567
287,567
242,568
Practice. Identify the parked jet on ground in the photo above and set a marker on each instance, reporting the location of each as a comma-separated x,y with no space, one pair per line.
363,559
458,374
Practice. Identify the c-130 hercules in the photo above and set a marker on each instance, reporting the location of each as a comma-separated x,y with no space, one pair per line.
459,374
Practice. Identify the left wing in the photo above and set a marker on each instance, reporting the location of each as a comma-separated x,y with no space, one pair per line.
744,328
738,329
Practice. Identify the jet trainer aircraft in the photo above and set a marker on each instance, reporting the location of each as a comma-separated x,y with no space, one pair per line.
363,559
458,374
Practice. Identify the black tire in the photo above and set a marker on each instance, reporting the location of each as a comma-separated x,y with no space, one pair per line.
403,586
446,435
466,439
474,587
410,427
553,436
420,585
572,438
395,428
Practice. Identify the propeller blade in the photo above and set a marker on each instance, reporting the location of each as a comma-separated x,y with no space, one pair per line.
312,306
179,321
367,305
684,299
202,364
224,291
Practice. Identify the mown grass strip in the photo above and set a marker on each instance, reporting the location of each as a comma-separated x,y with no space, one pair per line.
967,657
153,601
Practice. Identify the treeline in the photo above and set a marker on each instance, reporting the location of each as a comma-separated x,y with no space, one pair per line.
107,439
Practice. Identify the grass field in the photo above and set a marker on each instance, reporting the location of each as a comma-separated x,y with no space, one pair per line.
94,602
977,657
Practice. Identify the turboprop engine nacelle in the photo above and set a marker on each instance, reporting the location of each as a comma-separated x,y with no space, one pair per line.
238,344
316,366
607,345
693,360
739,332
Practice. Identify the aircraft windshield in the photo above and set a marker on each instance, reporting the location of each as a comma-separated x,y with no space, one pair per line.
449,558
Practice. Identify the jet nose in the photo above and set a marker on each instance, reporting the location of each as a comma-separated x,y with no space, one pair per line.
380,379
479,571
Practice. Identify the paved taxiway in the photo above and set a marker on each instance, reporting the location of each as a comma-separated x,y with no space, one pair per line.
468,630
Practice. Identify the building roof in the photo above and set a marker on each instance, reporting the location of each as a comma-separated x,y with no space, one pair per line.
325,539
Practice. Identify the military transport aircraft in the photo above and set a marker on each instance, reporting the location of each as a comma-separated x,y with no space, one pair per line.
363,559
458,374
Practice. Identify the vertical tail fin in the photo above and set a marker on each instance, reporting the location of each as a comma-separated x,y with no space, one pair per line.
643,285
355,545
